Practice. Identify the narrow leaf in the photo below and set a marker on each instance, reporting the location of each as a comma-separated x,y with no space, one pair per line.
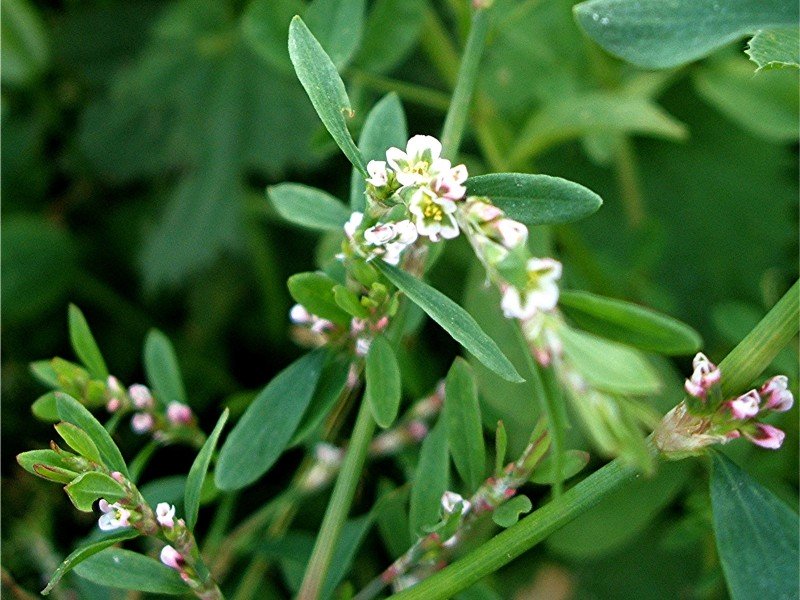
84,552
330,386
118,568
308,206
464,430
324,87
315,292
197,474
630,324
383,382
161,367
44,372
49,458
79,440
82,340
509,512
500,446
90,486
430,480
266,427
72,411
45,409
454,319
756,534
536,199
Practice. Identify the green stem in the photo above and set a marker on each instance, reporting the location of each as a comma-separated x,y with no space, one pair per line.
628,182
418,94
339,505
456,118
439,47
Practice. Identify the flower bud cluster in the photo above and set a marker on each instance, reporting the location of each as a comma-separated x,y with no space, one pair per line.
176,421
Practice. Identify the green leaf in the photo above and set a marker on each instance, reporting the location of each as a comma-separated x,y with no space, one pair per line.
454,319
500,445
88,487
266,427
630,324
577,115
392,29
329,389
315,292
308,207
46,458
324,87
509,512
464,430
609,366
197,474
72,411
349,302
573,463
118,568
80,554
84,345
536,199
45,408
383,381
756,534
775,48
430,480
384,127
337,25
161,368
264,26
79,440
44,372
656,35
24,43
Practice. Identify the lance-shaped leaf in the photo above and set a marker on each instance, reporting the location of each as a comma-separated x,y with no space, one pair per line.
656,35
161,367
454,319
756,535
79,440
383,382
775,48
464,430
82,340
629,323
324,87
72,411
266,427
47,464
118,568
315,292
430,480
308,207
84,552
197,474
45,408
90,486
331,385
536,199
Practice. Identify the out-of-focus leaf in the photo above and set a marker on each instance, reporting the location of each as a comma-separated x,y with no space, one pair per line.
384,127
161,367
38,267
337,25
454,319
392,518
391,31
84,345
383,382
629,323
329,389
197,473
266,427
324,87
430,480
308,207
775,48
118,568
509,512
45,408
766,105
756,534
265,24
654,34
88,487
464,428
536,199
574,462
315,292
24,43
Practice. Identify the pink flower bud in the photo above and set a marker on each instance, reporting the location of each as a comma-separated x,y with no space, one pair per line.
776,394
117,476
114,386
113,405
511,233
179,414
142,422
165,514
745,406
172,558
705,375
417,430
766,436
141,396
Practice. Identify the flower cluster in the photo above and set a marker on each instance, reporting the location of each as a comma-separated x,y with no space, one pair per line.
165,425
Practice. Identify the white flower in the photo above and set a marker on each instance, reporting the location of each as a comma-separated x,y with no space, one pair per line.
179,414
705,375
391,239
541,293
420,163
511,233
328,454
142,422
353,224
777,394
433,216
378,175
165,514
483,212
451,501
299,315
362,346
141,396
379,234
114,516
172,558
450,183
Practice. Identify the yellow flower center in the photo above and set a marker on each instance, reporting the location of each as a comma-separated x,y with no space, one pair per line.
431,210
420,168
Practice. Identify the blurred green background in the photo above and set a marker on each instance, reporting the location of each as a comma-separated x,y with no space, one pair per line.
138,138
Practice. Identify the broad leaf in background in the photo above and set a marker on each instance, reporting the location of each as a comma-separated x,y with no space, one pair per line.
266,427
383,382
655,34
308,207
775,48
25,46
161,368
324,87
629,323
462,414
391,31
430,480
337,25
536,199
756,534
384,127
454,319
315,292
264,27
118,568
197,473
84,344
332,384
